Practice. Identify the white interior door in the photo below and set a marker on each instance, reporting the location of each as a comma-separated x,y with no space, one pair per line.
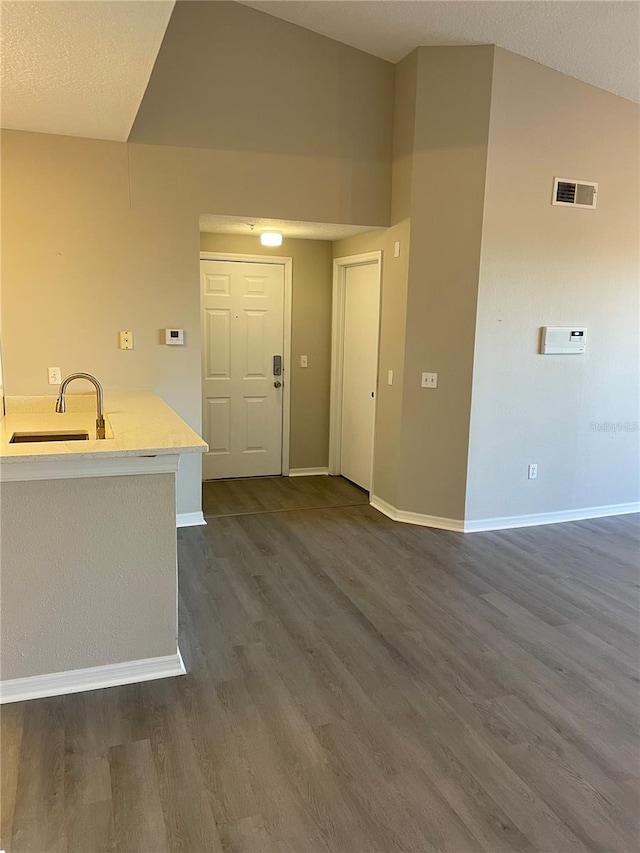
359,371
242,331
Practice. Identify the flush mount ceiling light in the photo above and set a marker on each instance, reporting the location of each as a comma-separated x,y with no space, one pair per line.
271,238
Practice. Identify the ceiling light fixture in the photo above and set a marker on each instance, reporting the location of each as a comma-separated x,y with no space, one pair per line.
271,238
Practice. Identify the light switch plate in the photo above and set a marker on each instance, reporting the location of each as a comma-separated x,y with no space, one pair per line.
396,249
429,380
304,362
126,340
390,377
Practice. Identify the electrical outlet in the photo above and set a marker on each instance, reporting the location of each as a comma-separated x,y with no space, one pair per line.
55,378
126,340
532,471
304,362
429,380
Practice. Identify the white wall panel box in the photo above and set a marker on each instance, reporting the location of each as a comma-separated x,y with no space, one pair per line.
564,340
174,337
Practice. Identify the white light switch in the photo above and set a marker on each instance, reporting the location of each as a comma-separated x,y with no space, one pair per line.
304,361
126,340
396,249
390,377
55,377
429,380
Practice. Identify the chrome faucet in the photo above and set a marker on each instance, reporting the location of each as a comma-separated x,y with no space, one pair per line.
61,404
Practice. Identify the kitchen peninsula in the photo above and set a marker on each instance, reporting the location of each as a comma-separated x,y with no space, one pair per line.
88,554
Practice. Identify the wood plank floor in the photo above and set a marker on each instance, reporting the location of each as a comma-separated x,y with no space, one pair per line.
358,685
273,494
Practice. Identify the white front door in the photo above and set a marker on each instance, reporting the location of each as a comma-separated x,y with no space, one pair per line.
242,331
360,371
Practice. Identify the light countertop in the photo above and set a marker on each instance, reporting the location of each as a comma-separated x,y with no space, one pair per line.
138,423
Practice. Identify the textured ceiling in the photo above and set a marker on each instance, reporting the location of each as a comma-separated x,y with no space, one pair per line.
78,68
597,42
288,228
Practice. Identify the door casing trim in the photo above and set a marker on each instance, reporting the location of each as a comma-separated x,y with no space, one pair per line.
340,266
287,263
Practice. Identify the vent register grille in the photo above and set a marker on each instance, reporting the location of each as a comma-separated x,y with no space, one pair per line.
570,193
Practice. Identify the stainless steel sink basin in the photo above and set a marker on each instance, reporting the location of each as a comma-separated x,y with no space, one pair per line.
53,435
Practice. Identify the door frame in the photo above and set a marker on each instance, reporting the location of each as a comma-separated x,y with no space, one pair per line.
287,263
340,266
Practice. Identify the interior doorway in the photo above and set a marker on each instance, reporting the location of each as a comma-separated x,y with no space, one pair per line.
354,373
246,334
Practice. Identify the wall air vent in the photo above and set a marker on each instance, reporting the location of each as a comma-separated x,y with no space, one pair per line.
570,193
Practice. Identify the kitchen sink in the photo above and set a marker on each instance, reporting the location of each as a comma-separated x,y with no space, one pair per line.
53,435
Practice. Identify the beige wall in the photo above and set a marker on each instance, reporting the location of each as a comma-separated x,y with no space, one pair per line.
251,86
73,598
80,262
1,384
453,96
103,236
310,335
395,275
547,265
404,130
393,309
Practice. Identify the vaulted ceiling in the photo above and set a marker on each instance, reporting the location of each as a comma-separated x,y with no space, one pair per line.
597,42
82,68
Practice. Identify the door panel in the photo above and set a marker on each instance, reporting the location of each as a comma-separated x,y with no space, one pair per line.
243,328
360,372
218,344
218,424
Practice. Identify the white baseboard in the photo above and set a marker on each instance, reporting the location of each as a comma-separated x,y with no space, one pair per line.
91,678
307,472
536,519
415,517
505,523
189,519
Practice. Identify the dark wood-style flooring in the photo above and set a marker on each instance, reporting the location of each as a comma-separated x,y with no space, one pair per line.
275,494
357,685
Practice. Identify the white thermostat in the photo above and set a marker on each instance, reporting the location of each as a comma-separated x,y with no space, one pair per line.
564,340
174,337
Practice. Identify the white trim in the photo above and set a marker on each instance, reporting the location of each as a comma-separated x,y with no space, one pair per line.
91,678
416,517
535,519
505,523
287,263
340,266
90,466
190,519
307,472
